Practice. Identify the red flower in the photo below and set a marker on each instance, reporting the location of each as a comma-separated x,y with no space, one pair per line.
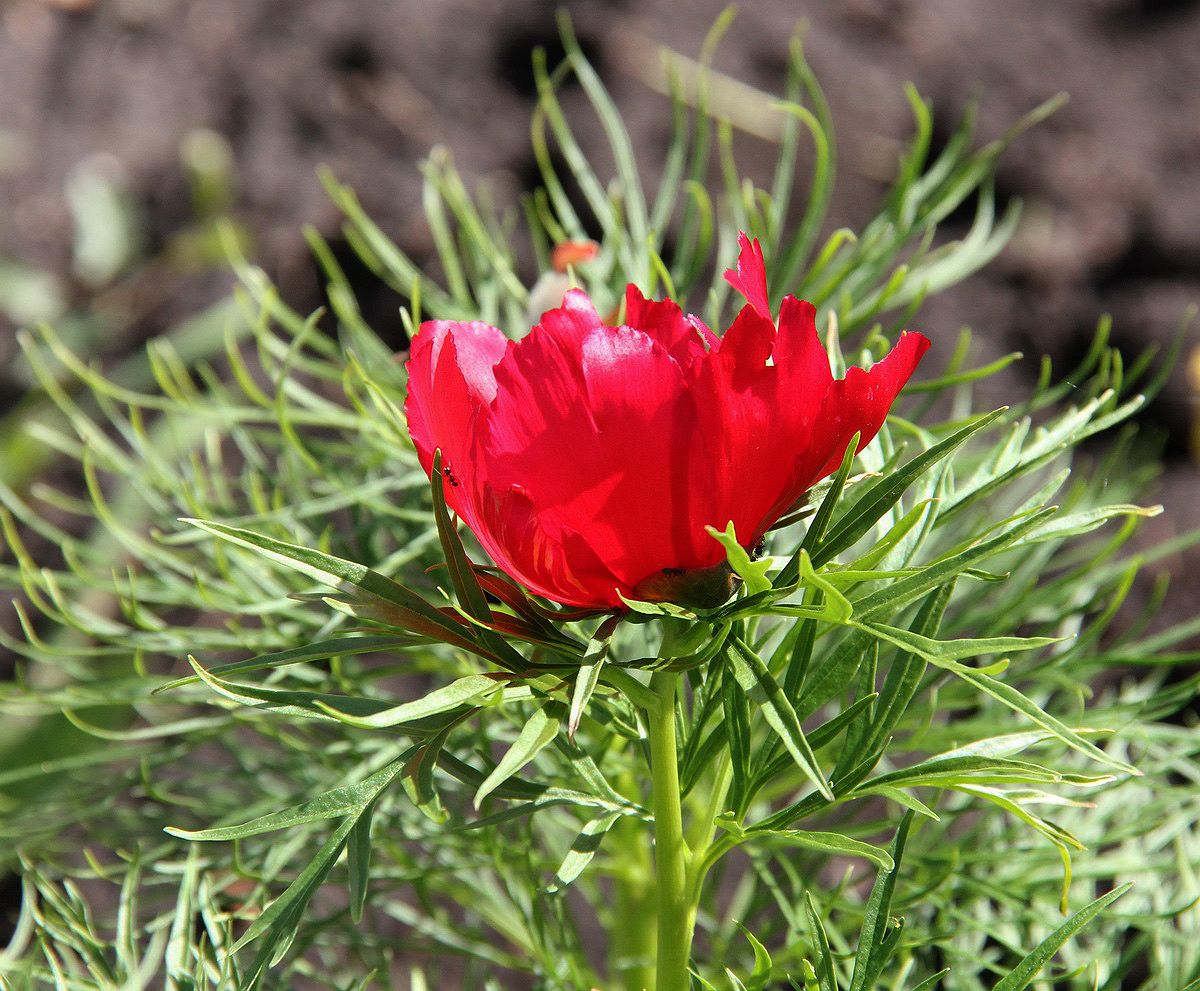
588,459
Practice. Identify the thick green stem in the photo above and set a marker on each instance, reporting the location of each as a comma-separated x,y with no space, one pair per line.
676,909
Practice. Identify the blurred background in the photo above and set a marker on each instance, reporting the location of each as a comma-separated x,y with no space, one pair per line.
128,128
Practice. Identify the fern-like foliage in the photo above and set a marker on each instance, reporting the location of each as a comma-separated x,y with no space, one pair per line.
933,728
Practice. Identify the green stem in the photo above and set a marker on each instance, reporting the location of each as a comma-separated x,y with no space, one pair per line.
632,928
676,910
704,827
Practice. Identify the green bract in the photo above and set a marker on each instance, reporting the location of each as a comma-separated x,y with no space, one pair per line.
922,729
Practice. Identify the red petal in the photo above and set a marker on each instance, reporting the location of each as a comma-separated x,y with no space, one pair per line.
860,402
527,544
597,425
750,279
684,336
799,354
451,374
739,446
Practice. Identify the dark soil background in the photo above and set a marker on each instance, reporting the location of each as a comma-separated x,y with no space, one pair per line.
1111,183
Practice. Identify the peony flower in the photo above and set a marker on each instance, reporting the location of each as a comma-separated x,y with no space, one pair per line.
588,460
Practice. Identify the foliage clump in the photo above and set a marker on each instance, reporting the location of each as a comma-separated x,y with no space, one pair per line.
923,728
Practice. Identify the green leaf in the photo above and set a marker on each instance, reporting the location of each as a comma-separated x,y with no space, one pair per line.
759,684
1025,972
880,935
816,529
831,843
474,688
535,735
583,849
824,968
310,705
903,798
551,797
837,607
404,607
761,974
753,573
833,674
278,921
589,671
358,861
938,651
318,651
1012,698
906,671
462,573
347,800
418,774
276,926
884,494
946,771
892,597
735,735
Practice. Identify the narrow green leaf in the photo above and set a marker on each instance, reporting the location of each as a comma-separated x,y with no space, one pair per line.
1018,702
1031,966
761,974
347,800
903,798
759,684
831,843
589,671
319,651
277,924
465,691
418,774
833,674
535,735
945,771
836,605
583,849
405,606
938,651
462,573
816,529
824,968
735,736
879,937
853,752
310,705
906,670
892,597
358,861
877,500
552,797
827,732
753,573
